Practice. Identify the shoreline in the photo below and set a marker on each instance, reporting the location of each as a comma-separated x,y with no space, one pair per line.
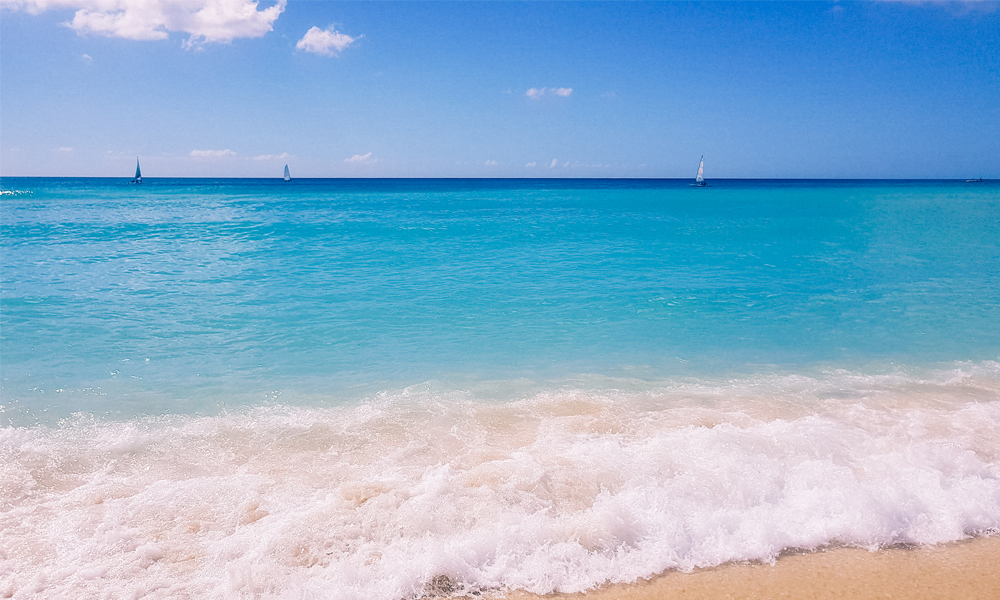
968,569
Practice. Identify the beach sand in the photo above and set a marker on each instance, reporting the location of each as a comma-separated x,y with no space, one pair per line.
968,570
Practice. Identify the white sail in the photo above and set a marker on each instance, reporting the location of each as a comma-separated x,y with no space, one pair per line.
138,173
701,170
287,176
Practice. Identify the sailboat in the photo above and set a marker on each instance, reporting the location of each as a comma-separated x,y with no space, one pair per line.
699,181
287,176
138,173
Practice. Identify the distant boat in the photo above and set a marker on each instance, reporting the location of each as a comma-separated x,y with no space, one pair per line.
700,179
980,180
138,173
287,176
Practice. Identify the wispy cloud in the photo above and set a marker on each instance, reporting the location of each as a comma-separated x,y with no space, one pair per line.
938,2
64,149
212,153
87,59
490,163
959,8
537,93
555,161
325,42
361,158
282,156
203,20
532,164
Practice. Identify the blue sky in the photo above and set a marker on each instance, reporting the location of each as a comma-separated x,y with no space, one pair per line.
227,88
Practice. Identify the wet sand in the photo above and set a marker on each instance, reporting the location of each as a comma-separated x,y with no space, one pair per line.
968,570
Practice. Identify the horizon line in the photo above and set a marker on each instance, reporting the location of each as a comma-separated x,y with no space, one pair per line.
962,179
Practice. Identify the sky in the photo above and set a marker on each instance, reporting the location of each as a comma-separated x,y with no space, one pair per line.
236,88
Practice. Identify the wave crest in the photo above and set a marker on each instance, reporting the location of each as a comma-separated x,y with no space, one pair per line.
560,490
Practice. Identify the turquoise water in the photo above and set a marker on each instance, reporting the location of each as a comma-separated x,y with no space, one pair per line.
179,293
349,387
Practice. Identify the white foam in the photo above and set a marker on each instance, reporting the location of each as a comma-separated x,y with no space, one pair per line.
561,490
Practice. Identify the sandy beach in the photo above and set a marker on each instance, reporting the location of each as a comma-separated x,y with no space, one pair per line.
968,570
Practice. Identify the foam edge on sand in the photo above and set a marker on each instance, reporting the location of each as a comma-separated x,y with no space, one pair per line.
968,569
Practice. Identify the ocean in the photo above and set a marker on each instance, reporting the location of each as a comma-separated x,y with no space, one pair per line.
389,389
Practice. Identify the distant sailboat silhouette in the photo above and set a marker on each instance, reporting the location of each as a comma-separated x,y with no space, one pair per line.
700,179
287,176
138,173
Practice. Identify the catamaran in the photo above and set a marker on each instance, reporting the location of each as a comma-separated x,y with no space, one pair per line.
138,173
287,176
700,179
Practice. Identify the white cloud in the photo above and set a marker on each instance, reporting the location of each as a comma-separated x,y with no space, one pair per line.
960,8
490,163
281,156
532,164
64,149
555,161
536,93
88,59
325,42
361,158
212,153
203,20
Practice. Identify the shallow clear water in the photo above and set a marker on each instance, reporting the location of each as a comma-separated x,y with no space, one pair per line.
349,387
180,295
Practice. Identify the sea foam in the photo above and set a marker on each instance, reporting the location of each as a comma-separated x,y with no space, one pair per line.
427,489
